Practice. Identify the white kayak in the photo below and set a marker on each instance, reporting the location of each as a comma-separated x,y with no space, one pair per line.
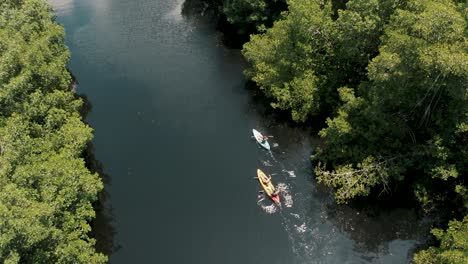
259,137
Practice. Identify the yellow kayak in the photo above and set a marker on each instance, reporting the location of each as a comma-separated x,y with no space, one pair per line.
268,187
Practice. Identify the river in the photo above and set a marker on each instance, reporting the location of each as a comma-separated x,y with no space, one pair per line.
173,121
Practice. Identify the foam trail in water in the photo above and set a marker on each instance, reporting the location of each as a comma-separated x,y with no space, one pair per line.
269,209
295,215
301,229
273,157
291,173
286,194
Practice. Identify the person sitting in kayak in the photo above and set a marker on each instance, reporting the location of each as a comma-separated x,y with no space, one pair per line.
264,139
275,192
267,180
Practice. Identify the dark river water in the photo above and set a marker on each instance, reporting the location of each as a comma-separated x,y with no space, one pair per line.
173,121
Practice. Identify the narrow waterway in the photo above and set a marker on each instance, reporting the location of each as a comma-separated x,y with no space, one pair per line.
173,120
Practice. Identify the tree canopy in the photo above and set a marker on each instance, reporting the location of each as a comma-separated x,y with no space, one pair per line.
410,116
46,191
307,55
252,15
453,245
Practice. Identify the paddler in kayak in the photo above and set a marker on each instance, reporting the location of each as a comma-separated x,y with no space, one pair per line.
275,193
267,182
268,187
264,139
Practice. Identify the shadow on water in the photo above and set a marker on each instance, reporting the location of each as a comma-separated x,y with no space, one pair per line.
102,226
208,10
372,228
103,229
374,221
194,8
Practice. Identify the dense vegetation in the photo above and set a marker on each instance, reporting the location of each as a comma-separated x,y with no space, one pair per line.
392,77
46,192
453,245
238,18
252,15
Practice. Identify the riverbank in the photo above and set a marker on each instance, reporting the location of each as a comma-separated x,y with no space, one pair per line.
47,191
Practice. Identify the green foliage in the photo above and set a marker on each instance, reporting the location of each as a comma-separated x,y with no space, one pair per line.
357,170
32,52
356,34
412,111
287,60
46,191
351,182
323,54
453,245
252,15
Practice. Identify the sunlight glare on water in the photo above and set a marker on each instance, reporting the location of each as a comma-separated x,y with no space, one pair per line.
176,12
